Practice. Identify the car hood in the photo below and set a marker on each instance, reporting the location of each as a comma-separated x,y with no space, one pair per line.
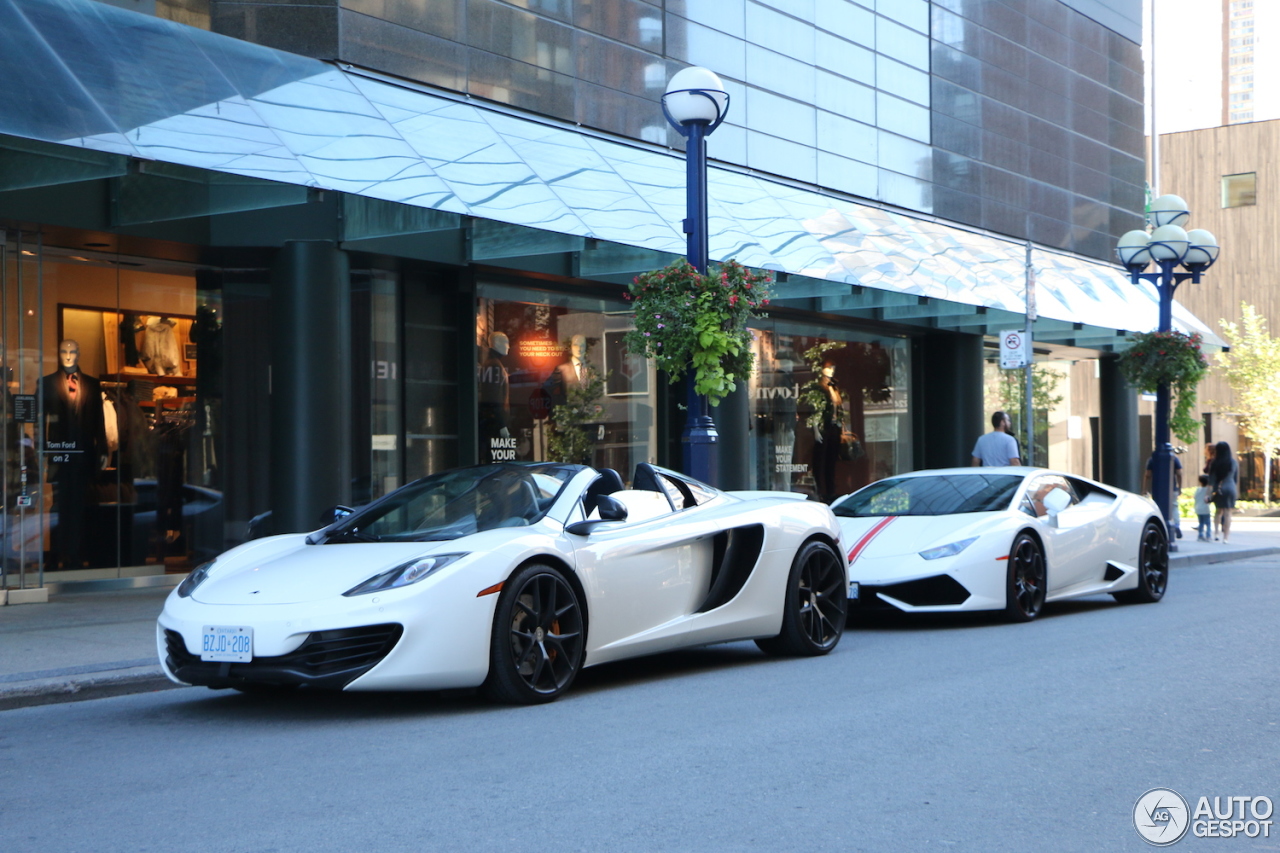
900,535
303,573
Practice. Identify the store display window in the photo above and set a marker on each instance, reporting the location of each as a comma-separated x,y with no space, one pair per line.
830,413
556,383
114,399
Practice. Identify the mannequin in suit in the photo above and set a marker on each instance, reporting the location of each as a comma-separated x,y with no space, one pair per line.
574,373
495,392
75,437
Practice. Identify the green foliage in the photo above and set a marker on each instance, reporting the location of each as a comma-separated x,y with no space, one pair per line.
687,320
567,441
812,394
1009,390
1172,358
1252,369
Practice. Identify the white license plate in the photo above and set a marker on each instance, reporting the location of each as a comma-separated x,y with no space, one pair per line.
232,643
853,590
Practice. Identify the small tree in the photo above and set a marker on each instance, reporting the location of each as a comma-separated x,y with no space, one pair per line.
1252,369
1009,391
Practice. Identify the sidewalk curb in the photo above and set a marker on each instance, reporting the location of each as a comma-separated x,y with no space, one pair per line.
1187,561
49,691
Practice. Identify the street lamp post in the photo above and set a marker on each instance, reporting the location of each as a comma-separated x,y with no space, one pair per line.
696,103
1168,245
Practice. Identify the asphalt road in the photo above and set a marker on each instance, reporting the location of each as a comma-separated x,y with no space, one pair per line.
915,734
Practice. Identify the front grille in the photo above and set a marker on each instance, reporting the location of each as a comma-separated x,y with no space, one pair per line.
326,659
936,591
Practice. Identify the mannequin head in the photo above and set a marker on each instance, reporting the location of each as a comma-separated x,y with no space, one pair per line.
499,343
828,369
68,355
578,347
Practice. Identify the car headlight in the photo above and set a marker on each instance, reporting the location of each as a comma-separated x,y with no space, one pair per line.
409,573
193,580
948,550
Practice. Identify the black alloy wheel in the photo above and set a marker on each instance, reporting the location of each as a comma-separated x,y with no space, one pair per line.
538,638
1153,568
1025,588
816,605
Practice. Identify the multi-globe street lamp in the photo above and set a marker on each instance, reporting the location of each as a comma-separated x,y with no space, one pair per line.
1169,246
696,103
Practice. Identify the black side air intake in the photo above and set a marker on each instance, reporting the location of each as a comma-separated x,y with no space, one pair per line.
736,553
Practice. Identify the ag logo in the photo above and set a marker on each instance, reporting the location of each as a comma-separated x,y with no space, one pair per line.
1161,817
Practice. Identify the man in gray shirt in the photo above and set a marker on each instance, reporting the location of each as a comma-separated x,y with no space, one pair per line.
997,447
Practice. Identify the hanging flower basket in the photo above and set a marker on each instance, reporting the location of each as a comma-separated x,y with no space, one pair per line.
688,320
1172,358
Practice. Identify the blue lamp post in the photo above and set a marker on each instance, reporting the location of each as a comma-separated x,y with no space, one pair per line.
696,103
1168,245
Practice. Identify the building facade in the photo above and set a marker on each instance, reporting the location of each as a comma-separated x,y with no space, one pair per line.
261,259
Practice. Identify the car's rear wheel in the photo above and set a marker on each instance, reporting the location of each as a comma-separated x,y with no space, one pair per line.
816,604
1025,585
538,639
1153,568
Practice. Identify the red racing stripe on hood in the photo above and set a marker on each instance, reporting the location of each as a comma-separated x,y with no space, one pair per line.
868,536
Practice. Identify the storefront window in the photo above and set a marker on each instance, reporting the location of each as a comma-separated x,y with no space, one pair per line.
828,419
114,395
555,383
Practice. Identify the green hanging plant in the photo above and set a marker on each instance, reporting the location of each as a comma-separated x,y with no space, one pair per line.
813,394
1172,358
685,320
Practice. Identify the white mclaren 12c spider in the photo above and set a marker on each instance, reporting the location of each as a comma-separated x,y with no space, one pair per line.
511,578
1009,539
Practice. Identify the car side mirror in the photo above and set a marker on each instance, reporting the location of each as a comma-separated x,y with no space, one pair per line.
329,516
610,509
1056,501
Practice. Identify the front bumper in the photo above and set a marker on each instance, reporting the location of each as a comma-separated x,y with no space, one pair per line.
328,660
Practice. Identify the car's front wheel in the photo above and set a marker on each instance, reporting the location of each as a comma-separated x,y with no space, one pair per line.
816,604
1153,568
538,638
1025,584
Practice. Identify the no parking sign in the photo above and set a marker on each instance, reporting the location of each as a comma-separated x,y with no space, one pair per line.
1015,349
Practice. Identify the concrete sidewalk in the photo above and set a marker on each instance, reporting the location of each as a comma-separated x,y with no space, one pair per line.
88,645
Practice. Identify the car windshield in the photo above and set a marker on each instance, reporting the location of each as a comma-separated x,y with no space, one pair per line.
945,494
458,503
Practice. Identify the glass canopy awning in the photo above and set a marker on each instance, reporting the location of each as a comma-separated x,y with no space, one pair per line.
91,76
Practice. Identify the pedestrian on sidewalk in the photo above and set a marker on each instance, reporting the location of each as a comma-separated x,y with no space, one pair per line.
1224,479
998,447
1203,513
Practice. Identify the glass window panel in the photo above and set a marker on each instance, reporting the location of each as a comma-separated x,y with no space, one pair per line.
442,18
845,175
901,80
630,21
510,32
846,137
846,19
771,114
911,13
844,97
838,56
865,426
902,117
729,16
699,45
902,44
802,9
905,156
608,63
770,70
771,30
1240,190
781,157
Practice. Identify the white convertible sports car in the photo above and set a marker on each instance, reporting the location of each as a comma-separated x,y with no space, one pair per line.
1007,539
510,577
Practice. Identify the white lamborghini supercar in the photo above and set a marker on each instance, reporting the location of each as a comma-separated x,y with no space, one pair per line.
963,539
510,577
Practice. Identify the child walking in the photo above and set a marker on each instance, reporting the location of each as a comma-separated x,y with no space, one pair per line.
1203,513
